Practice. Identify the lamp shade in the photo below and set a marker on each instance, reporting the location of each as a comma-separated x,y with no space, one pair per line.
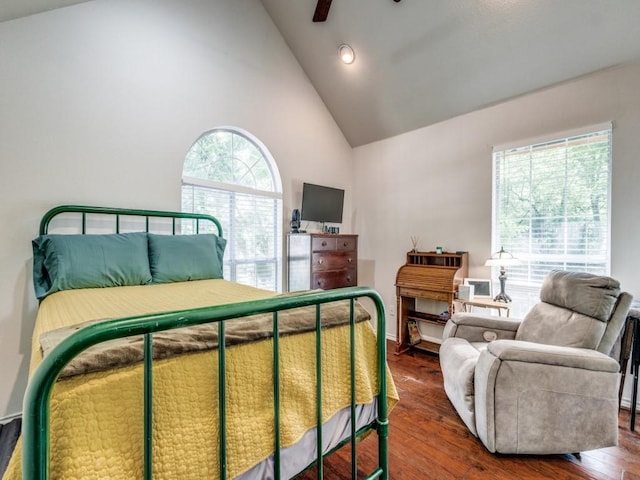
501,259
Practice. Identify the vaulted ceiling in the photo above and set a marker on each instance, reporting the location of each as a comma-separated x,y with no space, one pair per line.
419,62
12,9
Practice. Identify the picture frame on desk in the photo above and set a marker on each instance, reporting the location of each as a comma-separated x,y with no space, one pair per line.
481,287
414,332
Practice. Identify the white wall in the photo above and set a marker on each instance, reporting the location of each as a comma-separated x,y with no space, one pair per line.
436,182
100,102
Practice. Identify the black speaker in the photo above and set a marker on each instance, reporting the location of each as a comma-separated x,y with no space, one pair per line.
295,221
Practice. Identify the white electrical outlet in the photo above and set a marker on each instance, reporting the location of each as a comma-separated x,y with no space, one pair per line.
391,309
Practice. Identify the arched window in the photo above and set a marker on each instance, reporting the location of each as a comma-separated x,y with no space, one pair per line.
229,174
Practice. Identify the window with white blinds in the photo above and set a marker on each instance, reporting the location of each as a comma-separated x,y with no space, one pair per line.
551,206
228,174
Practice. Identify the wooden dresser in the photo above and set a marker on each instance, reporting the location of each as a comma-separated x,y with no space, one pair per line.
425,289
319,260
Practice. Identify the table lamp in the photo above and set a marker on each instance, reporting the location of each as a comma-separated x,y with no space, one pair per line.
502,259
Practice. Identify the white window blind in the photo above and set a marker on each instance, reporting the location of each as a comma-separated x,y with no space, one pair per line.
551,207
229,175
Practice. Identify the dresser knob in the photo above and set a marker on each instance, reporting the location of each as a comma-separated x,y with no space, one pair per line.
349,260
324,244
345,244
321,261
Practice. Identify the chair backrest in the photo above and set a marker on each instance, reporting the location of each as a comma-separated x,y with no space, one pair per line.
578,310
616,324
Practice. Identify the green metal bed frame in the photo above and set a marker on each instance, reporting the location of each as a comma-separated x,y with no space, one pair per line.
35,429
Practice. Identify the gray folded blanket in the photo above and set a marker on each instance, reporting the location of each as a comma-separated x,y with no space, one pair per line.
129,350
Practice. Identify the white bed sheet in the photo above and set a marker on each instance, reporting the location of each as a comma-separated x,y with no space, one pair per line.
296,458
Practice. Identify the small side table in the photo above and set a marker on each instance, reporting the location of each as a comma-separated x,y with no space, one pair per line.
485,303
630,350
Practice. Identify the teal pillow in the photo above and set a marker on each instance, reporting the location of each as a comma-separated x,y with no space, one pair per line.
64,262
181,258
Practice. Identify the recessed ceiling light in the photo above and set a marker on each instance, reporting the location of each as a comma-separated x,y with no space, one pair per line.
346,53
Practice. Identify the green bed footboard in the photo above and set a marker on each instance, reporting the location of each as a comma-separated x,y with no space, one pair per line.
36,413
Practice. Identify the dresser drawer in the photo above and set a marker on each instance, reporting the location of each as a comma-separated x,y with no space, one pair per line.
320,244
346,243
331,261
334,279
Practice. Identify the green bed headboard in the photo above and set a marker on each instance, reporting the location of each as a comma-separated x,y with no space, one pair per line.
201,221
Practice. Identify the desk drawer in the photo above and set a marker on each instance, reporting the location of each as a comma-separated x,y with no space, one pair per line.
426,294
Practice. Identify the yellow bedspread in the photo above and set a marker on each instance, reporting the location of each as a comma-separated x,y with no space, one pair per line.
96,418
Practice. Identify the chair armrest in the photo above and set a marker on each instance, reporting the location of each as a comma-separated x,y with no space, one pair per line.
475,327
528,352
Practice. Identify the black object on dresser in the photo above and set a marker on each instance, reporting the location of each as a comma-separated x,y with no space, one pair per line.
319,260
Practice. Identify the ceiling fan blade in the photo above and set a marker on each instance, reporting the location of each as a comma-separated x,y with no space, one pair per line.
322,10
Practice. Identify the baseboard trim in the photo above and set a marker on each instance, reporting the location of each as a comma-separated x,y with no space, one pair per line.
626,404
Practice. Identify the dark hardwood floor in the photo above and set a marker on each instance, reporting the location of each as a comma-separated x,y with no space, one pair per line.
427,440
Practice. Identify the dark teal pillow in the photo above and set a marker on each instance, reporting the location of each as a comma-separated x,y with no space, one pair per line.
180,258
64,262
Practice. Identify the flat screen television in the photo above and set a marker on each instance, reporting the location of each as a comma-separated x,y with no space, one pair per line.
322,204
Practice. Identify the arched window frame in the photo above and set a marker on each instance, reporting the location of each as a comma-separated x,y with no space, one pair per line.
234,198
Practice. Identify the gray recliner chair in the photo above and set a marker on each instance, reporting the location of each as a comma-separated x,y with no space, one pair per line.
544,384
